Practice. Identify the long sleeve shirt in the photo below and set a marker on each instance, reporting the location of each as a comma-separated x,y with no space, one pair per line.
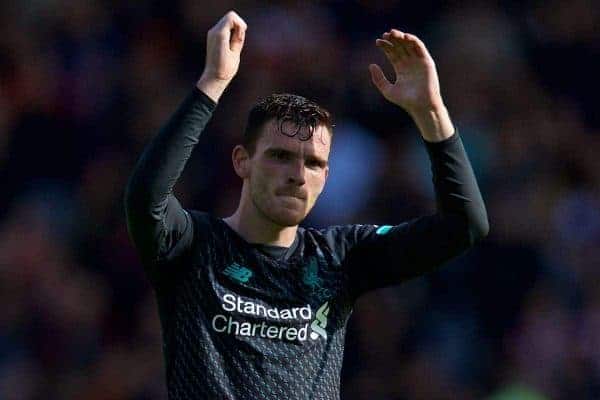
244,320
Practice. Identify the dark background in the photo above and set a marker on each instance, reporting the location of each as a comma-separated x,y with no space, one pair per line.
84,85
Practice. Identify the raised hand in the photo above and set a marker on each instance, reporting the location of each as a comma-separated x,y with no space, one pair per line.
416,86
224,43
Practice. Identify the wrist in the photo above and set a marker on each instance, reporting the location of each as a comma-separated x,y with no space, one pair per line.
433,122
212,87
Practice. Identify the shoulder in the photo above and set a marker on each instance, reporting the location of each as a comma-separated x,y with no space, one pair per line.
201,218
339,238
345,237
348,234
206,226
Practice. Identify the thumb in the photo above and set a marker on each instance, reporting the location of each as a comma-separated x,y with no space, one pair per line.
379,78
237,39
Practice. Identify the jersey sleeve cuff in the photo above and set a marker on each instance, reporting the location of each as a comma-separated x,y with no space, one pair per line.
443,143
203,98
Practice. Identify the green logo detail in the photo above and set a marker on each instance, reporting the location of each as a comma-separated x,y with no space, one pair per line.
320,323
311,277
237,272
382,230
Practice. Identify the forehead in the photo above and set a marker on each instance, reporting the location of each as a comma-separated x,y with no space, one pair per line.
319,143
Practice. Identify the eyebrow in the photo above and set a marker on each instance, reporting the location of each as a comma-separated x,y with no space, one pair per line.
274,150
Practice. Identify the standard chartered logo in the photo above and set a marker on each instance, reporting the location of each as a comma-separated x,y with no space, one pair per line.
278,325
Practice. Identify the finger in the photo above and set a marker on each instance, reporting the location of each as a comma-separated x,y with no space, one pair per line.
237,38
384,45
238,21
405,42
229,21
412,49
397,38
232,18
384,42
389,50
378,78
230,32
417,45
221,31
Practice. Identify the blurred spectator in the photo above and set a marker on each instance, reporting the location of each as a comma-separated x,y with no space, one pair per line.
85,85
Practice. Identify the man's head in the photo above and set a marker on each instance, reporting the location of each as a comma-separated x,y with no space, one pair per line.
284,157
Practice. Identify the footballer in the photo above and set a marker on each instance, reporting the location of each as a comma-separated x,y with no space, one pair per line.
253,306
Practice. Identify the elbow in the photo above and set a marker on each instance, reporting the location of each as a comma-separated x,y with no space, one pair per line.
139,202
128,203
128,197
133,195
467,230
478,229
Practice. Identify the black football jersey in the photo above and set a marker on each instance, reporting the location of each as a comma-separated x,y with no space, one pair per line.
244,323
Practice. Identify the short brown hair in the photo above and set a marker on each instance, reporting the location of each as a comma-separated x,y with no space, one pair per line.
292,112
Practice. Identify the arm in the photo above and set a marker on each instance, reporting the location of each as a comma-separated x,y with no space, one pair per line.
420,245
159,227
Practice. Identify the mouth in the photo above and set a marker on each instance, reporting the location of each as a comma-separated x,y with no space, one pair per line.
293,196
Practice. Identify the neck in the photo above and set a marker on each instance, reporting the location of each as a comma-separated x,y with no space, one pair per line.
254,227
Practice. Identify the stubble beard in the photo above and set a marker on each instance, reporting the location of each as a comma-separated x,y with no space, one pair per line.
263,210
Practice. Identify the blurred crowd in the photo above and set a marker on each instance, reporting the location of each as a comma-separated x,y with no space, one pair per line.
84,85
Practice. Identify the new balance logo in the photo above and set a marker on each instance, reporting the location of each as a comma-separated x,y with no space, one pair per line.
238,273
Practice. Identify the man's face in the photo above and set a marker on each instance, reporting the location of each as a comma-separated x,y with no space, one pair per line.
287,174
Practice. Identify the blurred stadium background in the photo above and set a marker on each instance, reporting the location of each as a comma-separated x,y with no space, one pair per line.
85,84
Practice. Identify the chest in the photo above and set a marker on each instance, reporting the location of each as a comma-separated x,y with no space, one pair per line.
309,279
245,293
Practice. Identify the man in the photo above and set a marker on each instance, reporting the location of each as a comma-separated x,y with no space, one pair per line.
253,306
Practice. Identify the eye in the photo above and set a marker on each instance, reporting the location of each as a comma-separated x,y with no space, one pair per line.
313,164
281,155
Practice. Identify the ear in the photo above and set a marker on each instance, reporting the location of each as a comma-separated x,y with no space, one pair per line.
241,161
325,180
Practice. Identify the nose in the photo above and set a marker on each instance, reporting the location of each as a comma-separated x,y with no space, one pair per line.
296,173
